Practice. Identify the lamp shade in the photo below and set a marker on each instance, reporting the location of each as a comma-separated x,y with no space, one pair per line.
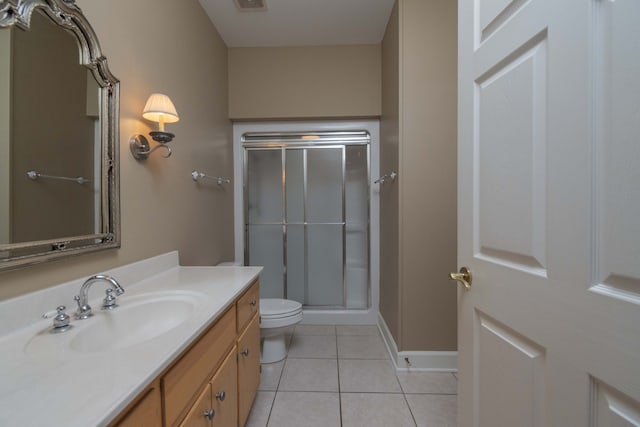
159,108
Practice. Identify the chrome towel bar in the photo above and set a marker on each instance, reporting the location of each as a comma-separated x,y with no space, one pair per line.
390,177
195,175
36,175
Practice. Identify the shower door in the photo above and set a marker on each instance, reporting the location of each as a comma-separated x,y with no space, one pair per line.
306,210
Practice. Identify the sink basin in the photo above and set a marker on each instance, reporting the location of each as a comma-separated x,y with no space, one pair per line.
133,323
138,319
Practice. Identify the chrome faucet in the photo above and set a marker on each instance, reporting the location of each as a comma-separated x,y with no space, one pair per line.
84,309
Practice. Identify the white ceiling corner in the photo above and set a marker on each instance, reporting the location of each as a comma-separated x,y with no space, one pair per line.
301,22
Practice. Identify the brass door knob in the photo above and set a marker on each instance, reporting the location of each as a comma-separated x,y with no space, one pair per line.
463,277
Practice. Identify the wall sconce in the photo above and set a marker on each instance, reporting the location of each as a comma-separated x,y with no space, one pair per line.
158,108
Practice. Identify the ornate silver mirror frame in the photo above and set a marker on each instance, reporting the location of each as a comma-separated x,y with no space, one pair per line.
68,15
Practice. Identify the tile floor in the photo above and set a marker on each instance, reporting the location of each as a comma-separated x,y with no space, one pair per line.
342,376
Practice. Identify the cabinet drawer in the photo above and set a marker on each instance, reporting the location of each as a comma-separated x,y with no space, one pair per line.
186,378
248,368
248,304
224,392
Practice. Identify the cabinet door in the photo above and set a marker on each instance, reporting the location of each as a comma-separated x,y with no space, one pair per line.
187,377
145,413
224,390
248,368
200,415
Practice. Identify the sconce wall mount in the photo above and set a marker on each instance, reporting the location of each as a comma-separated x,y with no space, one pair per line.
141,149
160,109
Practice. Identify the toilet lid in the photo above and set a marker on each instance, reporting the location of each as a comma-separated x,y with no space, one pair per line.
278,307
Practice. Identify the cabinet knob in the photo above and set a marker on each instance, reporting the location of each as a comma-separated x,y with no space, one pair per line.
209,414
253,302
220,396
245,352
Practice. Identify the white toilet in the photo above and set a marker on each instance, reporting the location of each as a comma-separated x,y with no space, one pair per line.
277,317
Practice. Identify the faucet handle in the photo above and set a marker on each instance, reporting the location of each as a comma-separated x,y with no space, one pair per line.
109,302
84,311
61,321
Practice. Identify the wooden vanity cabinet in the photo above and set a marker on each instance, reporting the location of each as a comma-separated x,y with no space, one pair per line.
197,416
217,404
214,382
248,368
224,392
185,379
248,310
247,306
146,411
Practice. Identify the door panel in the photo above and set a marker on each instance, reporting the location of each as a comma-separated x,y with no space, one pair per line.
265,249
510,170
325,186
296,265
617,124
264,186
294,184
511,376
613,408
549,212
325,268
494,13
357,226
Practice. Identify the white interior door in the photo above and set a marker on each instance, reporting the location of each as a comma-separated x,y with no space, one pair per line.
549,212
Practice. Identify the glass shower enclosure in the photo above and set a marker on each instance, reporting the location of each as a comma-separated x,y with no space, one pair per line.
306,202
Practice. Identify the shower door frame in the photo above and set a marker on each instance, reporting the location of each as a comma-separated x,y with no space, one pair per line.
304,141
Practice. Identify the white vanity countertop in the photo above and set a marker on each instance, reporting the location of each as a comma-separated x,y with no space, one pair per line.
45,382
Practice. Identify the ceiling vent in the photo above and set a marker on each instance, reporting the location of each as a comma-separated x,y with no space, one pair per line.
248,5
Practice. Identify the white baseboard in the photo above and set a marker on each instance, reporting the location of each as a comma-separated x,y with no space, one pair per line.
436,361
339,317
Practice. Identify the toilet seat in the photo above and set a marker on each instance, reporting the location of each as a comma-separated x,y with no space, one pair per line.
271,323
284,316
278,313
275,308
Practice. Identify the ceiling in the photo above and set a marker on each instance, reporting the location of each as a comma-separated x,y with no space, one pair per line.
301,22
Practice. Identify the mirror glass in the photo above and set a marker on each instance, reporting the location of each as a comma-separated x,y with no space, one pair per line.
58,142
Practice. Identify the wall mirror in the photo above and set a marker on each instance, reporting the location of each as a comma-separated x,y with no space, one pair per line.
59,189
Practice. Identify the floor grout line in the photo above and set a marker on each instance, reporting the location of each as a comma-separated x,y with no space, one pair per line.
413,417
340,392
271,408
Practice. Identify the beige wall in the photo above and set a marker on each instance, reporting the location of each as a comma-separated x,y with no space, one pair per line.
172,47
426,301
304,82
389,194
428,160
5,153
